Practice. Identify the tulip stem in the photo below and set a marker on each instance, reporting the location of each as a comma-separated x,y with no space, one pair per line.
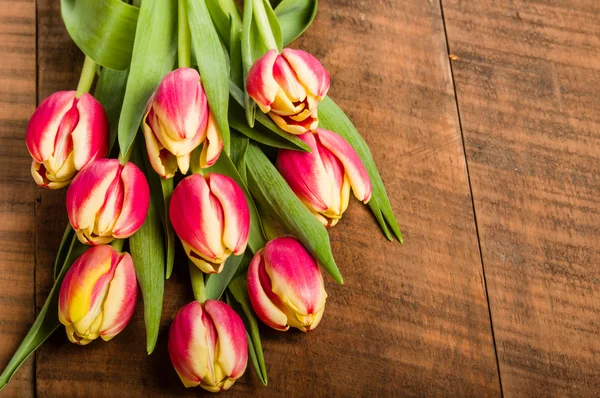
117,244
184,39
197,278
88,73
264,26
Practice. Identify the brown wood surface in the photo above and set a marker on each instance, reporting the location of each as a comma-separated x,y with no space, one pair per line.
412,319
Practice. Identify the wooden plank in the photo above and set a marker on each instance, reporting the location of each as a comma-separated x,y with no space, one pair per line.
17,189
411,319
527,79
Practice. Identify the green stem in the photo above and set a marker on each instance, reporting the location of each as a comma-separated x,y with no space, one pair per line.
124,158
88,73
264,27
184,39
117,244
197,278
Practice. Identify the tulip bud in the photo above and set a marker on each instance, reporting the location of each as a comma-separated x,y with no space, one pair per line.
285,286
107,201
211,217
64,134
322,178
288,87
208,345
97,297
177,120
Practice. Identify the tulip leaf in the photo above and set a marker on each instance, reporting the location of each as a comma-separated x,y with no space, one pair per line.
47,320
167,191
238,299
256,237
103,29
295,16
154,53
239,148
217,283
221,13
251,50
331,117
273,193
212,64
110,91
63,249
238,95
269,27
235,54
147,247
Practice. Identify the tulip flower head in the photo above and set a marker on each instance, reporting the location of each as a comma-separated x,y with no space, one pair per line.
97,297
208,345
65,134
107,201
285,286
288,87
210,215
177,121
322,179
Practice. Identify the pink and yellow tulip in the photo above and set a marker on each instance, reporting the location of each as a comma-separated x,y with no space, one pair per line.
64,134
97,297
288,87
285,286
177,121
322,179
210,215
208,345
107,201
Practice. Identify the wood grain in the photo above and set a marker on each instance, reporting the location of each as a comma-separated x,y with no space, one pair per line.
18,192
411,320
527,76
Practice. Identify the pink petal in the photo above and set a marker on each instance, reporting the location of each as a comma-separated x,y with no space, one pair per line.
353,166
90,135
136,199
233,346
162,161
236,216
309,70
213,144
260,84
286,78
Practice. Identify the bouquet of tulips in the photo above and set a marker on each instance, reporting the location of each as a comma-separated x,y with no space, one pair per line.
203,129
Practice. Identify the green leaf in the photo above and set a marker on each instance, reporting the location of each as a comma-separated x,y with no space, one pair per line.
295,16
239,301
239,148
212,64
235,54
47,320
251,50
103,29
271,191
167,191
110,91
238,95
256,237
154,53
331,117
221,12
63,250
217,283
269,27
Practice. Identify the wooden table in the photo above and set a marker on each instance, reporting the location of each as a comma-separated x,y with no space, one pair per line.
484,118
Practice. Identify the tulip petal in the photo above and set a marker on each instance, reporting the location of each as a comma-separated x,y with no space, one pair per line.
136,199
162,161
309,70
120,302
265,309
286,78
286,123
260,84
90,135
236,216
353,166
232,347
213,144
187,344
295,276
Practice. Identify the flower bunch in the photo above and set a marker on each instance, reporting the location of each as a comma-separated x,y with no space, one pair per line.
183,165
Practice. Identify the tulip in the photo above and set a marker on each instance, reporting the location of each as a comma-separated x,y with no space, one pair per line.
97,297
107,201
210,215
322,178
65,134
177,121
288,87
285,286
208,346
